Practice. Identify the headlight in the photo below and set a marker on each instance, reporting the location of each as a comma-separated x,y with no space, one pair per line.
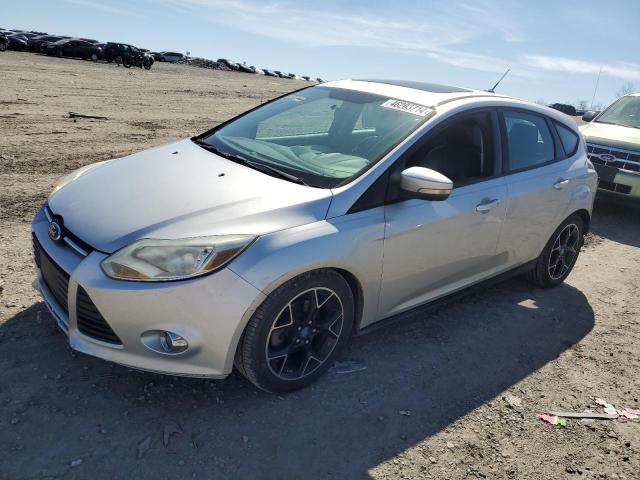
149,260
67,179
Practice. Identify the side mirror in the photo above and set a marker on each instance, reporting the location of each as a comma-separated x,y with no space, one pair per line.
425,183
589,115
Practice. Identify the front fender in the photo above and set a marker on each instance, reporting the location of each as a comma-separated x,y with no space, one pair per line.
351,242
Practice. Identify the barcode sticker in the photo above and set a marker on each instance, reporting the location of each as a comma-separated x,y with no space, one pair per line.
408,107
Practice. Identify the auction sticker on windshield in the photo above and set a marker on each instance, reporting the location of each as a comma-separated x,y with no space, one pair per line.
408,107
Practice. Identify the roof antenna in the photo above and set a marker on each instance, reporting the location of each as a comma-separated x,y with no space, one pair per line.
493,89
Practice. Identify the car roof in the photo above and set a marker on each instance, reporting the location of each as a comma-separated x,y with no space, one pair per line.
427,94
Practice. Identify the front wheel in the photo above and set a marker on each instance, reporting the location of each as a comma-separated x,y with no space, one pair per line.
559,255
297,332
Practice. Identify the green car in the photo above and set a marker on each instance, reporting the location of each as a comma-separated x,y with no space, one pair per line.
613,145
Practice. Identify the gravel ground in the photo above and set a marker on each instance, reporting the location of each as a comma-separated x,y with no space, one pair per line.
434,399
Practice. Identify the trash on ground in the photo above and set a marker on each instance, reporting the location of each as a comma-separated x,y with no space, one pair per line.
513,401
348,367
594,415
406,413
553,420
143,446
82,115
170,428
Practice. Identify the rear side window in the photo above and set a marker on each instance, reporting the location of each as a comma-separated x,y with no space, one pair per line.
529,140
568,138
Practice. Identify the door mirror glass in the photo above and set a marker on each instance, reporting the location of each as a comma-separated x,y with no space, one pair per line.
589,115
424,183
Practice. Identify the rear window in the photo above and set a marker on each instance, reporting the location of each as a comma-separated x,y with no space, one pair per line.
568,138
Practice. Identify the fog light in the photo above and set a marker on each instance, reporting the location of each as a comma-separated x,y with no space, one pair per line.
174,343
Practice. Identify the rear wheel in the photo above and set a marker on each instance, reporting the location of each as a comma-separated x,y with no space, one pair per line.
559,255
3,46
297,332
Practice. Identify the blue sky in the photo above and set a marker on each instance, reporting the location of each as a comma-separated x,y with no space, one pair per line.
554,48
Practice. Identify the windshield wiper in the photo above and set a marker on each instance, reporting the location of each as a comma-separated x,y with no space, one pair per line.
261,167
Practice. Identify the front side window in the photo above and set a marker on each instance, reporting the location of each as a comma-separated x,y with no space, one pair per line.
318,134
625,112
462,150
529,140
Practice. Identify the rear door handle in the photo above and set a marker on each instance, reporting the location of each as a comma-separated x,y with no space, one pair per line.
560,183
486,205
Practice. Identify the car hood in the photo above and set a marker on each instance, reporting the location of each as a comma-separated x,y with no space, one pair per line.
612,135
180,190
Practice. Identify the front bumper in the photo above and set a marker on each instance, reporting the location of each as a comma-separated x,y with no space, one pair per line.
210,312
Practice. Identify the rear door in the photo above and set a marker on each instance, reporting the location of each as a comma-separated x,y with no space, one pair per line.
432,248
538,182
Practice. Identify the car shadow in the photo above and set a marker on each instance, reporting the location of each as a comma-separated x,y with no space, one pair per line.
435,366
616,219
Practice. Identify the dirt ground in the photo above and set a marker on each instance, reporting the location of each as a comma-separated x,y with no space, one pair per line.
430,402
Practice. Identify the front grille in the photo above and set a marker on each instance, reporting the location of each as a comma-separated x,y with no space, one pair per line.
90,320
623,159
615,187
56,279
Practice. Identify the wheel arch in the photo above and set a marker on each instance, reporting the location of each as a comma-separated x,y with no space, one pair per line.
586,218
351,279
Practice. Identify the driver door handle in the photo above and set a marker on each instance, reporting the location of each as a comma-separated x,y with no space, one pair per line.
487,205
560,183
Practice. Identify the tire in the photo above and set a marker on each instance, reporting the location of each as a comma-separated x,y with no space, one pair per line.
126,62
3,47
94,57
119,60
59,53
296,334
559,255
147,66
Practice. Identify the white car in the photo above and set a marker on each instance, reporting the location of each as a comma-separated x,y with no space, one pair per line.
270,240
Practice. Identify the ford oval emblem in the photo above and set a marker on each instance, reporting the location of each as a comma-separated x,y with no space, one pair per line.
55,230
607,157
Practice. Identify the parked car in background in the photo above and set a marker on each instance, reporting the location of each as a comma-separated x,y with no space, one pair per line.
295,76
171,57
37,44
321,80
262,242
270,73
613,145
256,70
4,42
244,68
72,47
281,74
231,65
17,42
127,55
564,108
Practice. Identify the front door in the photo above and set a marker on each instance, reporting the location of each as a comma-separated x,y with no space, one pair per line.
432,248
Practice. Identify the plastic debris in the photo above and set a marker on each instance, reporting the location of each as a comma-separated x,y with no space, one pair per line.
406,413
553,419
170,428
76,463
513,401
143,446
348,367
588,414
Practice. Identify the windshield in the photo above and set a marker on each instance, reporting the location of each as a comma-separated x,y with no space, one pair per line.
625,112
324,136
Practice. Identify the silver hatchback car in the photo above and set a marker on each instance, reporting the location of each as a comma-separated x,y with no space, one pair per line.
270,240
